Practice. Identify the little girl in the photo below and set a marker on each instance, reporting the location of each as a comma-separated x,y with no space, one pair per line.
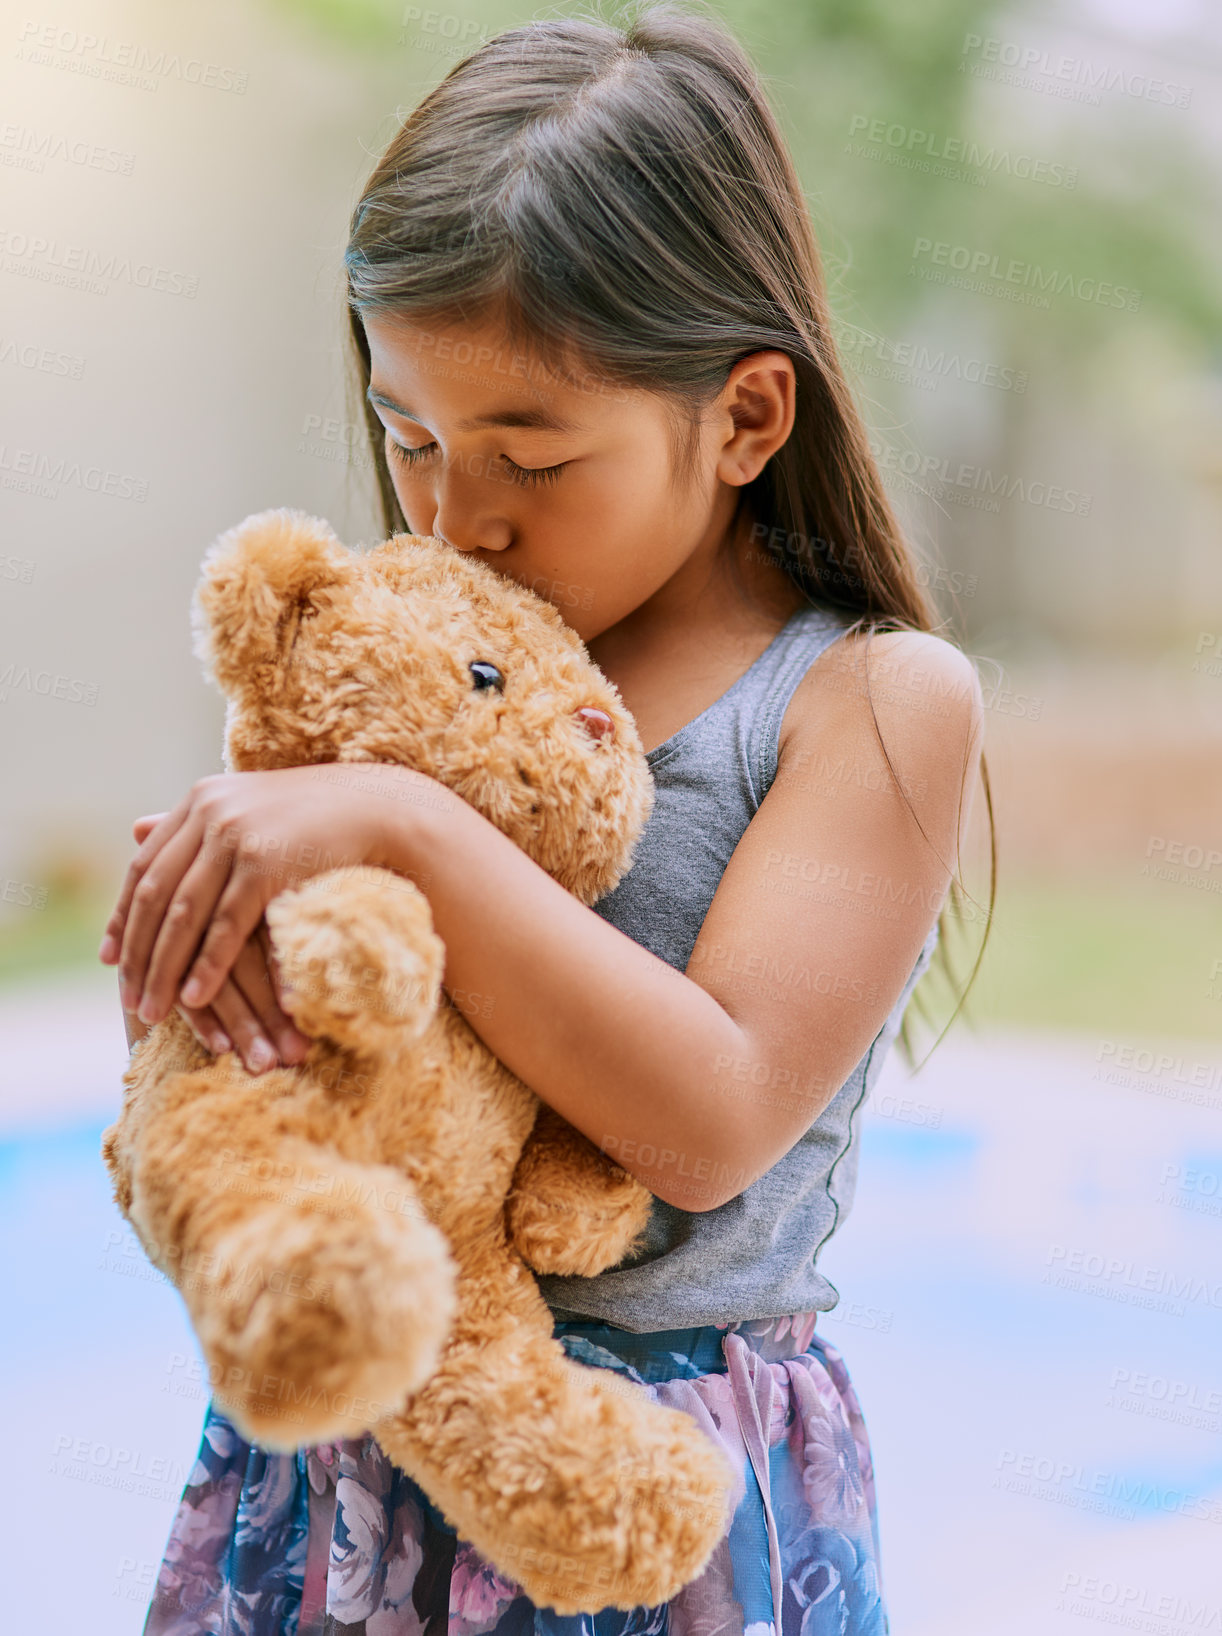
591,332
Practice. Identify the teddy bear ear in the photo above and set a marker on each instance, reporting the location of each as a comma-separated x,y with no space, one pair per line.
254,578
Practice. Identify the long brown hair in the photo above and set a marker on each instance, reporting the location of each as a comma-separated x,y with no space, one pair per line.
624,196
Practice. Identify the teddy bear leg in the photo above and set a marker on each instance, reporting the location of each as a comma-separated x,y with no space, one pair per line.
362,963
572,1210
569,1480
319,1291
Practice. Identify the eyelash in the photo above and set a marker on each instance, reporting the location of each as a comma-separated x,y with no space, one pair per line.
524,476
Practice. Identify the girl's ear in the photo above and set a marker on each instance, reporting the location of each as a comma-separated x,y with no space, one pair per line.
758,404
257,580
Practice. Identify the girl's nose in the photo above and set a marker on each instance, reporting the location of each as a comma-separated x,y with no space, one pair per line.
469,542
465,515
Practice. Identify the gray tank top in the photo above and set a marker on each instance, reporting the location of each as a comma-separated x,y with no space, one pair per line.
755,1255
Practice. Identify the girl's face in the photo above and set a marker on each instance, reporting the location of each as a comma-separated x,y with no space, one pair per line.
561,482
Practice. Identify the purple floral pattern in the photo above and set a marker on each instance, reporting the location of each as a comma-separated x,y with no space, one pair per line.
335,1539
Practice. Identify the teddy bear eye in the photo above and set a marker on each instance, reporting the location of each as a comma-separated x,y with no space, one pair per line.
486,675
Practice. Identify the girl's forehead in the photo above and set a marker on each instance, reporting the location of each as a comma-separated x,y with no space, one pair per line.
475,369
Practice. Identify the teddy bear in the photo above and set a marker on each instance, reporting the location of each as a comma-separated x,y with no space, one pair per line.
354,1237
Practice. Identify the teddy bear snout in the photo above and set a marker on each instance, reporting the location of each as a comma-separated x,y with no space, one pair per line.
596,722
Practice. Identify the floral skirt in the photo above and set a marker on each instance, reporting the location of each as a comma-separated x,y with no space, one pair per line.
335,1539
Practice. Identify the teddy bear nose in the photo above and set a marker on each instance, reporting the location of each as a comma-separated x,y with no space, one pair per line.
596,722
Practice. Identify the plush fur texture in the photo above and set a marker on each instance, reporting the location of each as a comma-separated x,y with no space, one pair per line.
352,1237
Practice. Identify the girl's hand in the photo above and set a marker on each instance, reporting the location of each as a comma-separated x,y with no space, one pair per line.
234,1011
248,1013
206,871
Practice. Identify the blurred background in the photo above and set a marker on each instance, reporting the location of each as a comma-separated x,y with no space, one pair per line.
1019,210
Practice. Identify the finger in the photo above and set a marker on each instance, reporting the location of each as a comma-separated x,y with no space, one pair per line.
185,920
244,1028
234,918
150,902
250,974
142,826
279,985
206,1026
112,940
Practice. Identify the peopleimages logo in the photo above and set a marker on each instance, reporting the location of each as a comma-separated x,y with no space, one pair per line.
22,467
126,62
986,270
1029,62
46,359
1070,1482
1116,1278
978,480
953,156
1136,1607
913,360
68,688
78,266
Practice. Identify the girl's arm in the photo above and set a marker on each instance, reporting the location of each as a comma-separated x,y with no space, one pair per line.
698,1083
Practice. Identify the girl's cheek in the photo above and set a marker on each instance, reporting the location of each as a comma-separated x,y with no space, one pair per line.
412,504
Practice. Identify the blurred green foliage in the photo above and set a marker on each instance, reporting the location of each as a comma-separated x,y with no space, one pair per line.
1101,956
60,922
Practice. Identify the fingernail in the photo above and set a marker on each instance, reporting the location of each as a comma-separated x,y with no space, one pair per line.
191,992
259,1055
109,948
220,1044
146,1010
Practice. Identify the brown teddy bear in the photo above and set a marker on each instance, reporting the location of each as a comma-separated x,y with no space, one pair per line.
352,1236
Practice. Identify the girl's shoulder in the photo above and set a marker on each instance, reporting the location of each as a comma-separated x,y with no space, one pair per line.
915,690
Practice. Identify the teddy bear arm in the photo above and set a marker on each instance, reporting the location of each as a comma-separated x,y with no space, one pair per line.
117,1156
357,949
168,1048
567,1479
572,1210
301,1266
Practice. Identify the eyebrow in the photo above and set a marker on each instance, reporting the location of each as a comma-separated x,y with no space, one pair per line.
531,419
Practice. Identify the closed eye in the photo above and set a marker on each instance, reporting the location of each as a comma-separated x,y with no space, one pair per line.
524,476
411,456
527,475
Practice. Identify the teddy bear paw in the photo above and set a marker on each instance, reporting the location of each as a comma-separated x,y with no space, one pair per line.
359,958
315,1326
675,1485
